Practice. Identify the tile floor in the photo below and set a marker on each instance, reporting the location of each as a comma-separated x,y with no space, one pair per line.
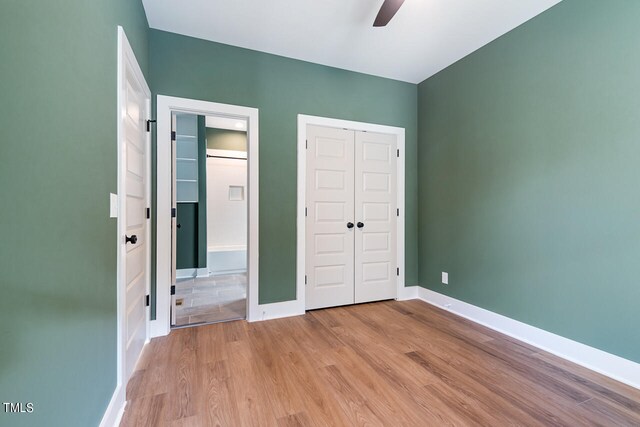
211,299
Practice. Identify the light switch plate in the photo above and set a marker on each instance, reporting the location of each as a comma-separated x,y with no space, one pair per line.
445,278
113,205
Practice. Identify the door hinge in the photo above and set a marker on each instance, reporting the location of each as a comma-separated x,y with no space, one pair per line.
173,289
174,213
173,135
147,301
305,211
397,271
398,152
306,144
149,124
398,212
148,213
305,279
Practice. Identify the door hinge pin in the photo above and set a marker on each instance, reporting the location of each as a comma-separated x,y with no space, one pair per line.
305,279
398,152
147,301
149,124
305,211
398,212
148,213
398,271
173,135
173,289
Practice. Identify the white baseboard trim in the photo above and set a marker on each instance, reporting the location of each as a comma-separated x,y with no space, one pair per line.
616,367
279,309
202,272
408,292
115,410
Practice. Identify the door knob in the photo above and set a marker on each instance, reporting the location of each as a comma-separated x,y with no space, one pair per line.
133,239
349,225
178,226
360,225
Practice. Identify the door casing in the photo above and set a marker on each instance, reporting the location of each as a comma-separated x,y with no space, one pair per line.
165,106
303,122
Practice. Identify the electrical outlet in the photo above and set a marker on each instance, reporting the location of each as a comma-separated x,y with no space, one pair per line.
445,278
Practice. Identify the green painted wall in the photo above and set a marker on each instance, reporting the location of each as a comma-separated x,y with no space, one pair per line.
529,175
222,139
283,88
57,168
187,236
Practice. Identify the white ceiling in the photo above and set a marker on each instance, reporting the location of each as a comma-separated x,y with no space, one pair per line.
423,38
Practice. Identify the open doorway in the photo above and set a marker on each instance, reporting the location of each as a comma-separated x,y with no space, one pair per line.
211,230
207,213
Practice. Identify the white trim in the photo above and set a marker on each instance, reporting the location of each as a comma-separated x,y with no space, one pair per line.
126,60
303,122
616,367
165,105
408,292
115,410
278,310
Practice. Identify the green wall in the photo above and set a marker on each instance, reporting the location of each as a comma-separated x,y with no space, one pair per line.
222,139
57,168
283,88
529,175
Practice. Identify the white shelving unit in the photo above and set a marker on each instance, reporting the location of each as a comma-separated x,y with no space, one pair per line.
187,158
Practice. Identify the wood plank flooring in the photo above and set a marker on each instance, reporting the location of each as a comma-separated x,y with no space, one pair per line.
381,364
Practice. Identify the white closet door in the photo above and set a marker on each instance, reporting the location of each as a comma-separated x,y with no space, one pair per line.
375,214
330,208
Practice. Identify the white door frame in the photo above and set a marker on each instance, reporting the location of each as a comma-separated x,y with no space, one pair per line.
127,62
165,105
303,121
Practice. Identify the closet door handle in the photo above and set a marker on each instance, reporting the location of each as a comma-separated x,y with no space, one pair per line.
133,239
360,225
349,225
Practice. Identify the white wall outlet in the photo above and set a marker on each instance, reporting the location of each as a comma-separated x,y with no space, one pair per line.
445,278
113,205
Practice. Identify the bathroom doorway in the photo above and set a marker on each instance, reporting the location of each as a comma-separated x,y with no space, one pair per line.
211,223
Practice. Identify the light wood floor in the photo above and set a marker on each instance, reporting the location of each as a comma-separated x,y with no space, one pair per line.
382,364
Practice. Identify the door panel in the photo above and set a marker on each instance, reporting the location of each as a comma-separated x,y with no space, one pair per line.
134,150
375,208
330,206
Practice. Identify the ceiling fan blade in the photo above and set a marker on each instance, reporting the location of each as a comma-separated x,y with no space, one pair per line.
387,11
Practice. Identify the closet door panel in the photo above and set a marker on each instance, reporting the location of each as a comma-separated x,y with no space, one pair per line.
375,214
330,207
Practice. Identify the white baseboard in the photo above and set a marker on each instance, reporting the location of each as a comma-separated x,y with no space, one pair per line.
115,410
408,292
186,273
202,272
616,367
279,309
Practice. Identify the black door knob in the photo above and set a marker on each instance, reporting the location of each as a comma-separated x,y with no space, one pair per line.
133,239
360,225
178,226
349,225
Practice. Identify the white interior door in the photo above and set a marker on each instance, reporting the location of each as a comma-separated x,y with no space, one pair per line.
375,215
134,202
330,223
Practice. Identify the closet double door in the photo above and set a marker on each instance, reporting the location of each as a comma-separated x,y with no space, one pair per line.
351,216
